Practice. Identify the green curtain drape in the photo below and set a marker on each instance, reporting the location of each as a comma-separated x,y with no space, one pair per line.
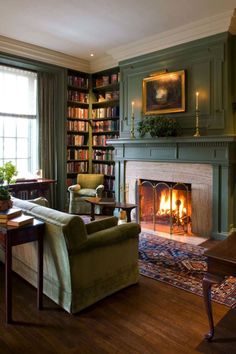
47,127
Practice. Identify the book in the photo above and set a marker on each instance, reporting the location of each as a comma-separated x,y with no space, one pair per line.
9,214
20,220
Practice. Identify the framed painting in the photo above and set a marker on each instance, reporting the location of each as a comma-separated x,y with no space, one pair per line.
164,93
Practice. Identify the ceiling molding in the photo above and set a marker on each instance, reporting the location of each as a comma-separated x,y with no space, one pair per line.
187,33
22,49
232,27
102,63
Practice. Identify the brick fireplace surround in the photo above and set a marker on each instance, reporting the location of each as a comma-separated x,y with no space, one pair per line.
208,163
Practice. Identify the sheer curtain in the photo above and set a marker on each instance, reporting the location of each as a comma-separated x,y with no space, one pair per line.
47,127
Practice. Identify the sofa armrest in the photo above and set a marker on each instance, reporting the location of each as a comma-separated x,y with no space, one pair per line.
109,237
99,190
74,188
99,225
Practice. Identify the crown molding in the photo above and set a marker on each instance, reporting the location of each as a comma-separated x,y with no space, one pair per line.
103,63
232,27
187,33
31,51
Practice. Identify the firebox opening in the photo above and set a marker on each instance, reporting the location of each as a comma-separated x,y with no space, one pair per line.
165,206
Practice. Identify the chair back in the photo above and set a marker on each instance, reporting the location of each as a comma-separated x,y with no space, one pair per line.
91,180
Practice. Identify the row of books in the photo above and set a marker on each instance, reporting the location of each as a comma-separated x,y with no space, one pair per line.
77,112
102,139
14,217
77,96
77,126
77,167
76,154
106,112
78,81
106,126
108,96
103,168
102,155
76,140
107,80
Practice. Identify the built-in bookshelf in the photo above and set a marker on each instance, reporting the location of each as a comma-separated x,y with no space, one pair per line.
92,119
77,125
105,123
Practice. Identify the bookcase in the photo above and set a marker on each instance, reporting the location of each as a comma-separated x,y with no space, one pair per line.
77,125
105,123
92,118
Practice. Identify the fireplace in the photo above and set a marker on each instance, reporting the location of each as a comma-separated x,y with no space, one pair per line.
208,164
164,206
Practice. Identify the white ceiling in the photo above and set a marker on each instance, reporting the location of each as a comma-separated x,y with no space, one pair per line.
80,27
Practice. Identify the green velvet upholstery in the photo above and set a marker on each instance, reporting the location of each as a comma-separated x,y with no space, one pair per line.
82,263
88,185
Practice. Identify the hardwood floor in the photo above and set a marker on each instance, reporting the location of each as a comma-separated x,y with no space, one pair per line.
150,317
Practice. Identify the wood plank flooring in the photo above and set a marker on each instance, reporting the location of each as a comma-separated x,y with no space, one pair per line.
148,318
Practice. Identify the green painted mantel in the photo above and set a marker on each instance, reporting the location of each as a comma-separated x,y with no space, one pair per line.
218,151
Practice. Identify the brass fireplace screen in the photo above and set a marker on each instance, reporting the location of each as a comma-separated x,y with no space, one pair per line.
165,206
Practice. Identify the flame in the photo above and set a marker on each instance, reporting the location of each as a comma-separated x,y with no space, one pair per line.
178,203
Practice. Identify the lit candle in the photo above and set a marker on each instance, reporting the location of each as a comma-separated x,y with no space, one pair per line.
132,104
197,95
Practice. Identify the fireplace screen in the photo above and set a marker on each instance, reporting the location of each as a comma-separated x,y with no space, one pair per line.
165,206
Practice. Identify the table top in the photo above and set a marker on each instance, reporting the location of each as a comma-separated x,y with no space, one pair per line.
4,227
109,202
224,250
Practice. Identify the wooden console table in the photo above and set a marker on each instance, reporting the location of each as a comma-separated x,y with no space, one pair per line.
13,236
30,189
221,262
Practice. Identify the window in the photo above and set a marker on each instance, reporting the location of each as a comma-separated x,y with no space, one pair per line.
18,111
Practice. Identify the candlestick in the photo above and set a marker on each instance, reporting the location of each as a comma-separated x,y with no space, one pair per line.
197,95
197,116
132,121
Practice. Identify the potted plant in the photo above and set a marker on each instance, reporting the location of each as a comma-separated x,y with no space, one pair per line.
7,172
158,126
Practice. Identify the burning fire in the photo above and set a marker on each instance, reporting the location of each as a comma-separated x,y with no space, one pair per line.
178,204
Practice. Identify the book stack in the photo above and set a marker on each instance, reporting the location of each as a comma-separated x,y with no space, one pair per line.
14,217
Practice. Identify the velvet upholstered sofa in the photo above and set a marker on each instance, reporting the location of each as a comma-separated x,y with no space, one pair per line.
83,263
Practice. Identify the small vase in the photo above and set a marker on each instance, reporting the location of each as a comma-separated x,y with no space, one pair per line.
5,204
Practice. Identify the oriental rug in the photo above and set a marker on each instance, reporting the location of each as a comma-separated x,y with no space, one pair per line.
181,265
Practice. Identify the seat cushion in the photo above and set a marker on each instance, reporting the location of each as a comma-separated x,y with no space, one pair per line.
87,192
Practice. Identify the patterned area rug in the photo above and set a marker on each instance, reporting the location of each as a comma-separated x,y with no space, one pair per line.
181,265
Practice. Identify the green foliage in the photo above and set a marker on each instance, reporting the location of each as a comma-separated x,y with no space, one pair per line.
158,126
4,193
7,172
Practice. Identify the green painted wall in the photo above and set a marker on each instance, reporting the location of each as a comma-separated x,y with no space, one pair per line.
210,69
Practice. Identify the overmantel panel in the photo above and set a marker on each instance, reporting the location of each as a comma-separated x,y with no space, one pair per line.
205,63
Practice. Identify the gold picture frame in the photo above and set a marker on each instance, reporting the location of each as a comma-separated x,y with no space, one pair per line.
164,93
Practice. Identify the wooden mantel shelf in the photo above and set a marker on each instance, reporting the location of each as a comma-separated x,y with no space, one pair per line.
203,149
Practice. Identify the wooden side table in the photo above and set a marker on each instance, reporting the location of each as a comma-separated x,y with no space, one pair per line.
13,236
110,203
221,262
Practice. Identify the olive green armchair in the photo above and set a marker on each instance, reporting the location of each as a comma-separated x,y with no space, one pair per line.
88,185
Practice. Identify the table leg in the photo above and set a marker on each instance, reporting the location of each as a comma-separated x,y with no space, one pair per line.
128,214
92,212
40,272
8,279
208,281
